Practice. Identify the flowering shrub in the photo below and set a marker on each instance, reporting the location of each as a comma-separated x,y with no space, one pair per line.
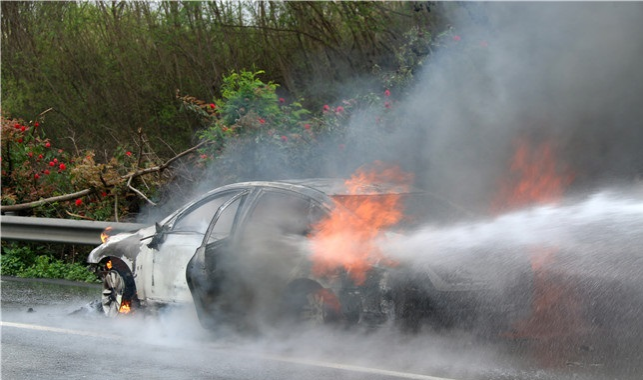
253,133
33,169
250,114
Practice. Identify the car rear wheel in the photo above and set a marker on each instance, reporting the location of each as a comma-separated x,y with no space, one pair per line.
117,292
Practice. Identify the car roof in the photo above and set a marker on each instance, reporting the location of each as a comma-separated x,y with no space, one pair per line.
335,187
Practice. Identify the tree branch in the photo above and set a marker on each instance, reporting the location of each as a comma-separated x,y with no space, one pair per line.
140,194
40,202
82,193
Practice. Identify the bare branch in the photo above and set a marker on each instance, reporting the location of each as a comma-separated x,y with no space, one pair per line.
140,194
78,216
82,193
45,111
116,207
40,202
166,164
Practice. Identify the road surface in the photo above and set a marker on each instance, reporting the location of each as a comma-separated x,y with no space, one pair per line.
50,332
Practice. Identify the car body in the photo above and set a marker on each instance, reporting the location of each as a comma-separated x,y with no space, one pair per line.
241,254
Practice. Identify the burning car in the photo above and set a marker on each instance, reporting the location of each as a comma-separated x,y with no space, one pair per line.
262,252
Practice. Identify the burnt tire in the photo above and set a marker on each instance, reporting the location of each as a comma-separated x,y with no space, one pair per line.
307,302
118,291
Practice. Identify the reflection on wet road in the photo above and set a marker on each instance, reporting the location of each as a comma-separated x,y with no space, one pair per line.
48,331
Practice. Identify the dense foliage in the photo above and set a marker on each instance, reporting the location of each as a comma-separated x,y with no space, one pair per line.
110,69
36,261
99,98
107,106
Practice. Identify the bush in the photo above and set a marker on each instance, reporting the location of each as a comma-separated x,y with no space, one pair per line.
34,169
251,133
24,261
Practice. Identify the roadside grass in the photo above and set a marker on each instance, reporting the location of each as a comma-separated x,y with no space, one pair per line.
28,261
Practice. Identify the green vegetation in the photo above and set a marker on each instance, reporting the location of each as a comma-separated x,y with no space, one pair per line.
33,261
110,69
107,106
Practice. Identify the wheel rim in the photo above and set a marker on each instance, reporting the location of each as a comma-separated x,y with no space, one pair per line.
113,290
321,307
314,310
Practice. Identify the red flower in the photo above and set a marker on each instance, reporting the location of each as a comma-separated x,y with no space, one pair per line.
62,167
20,140
51,163
55,160
23,128
284,138
282,100
203,156
79,202
307,127
339,109
103,194
213,106
47,144
387,104
16,126
46,171
40,156
30,154
262,121
457,38
36,124
326,108
128,153
36,176
387,92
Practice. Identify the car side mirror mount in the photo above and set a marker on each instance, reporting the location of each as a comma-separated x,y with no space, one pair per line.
158,237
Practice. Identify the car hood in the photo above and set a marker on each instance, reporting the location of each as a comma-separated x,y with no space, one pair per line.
125,244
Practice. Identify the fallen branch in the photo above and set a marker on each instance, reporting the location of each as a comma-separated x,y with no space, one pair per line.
40,202
82,193
140,194
164,165
78,216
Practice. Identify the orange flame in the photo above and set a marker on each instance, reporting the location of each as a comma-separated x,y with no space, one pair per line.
104,236
346,238
536,178
125,308
108,264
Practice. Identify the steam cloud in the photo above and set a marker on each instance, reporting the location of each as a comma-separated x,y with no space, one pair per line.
565,71
569,72
562,72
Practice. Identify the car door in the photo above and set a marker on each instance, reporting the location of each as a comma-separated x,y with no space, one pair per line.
204,273
179,241
244,276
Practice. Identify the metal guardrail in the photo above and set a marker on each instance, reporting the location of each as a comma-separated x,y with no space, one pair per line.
58,230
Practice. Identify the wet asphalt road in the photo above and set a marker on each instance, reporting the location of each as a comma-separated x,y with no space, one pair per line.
50,332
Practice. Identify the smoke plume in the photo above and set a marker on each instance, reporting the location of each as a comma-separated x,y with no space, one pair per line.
562,71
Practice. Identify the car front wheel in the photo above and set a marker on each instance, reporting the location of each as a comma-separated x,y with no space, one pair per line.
117,292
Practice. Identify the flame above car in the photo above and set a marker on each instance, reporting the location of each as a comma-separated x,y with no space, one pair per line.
347,237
